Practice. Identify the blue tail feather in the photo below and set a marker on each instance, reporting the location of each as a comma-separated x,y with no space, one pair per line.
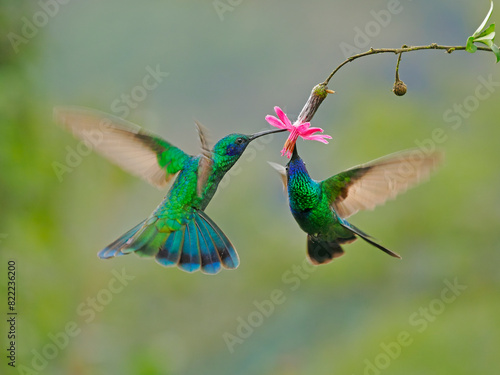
142,239
198,244
190,256
226,251
169,253
114,249
210,261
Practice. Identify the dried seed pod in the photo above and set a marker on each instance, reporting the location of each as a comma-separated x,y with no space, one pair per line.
399,88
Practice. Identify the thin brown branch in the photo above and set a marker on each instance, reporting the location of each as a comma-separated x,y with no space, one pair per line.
320,91
404,49
397,67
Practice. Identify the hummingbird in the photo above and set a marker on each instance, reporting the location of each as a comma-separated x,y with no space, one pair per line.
178,232
322,207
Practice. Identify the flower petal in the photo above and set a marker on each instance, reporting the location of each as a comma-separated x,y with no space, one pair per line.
318,137
303,127
311,131
296,130
283,117
275,122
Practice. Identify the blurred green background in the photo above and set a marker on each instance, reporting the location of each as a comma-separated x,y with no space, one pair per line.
227,69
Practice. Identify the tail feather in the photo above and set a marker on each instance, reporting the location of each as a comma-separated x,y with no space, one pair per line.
190,256
322,251
198,244
114,249
147,242
225,248
170,252
210,260
368,239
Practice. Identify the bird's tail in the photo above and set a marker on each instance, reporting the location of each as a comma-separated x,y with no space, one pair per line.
367,238
114,249
321,251
198,243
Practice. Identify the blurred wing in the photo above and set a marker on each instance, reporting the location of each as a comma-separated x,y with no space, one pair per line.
282,171
368,185
125,144
205,166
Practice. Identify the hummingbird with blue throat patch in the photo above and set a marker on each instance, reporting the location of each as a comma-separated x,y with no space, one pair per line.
322,207
178,232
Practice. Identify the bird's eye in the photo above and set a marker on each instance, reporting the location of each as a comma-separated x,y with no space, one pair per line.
239,141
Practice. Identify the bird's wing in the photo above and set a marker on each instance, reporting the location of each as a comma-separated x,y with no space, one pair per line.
125,144
205,166
368,185
282,171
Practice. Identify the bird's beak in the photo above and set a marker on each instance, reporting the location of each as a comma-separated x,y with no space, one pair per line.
295,154
265,132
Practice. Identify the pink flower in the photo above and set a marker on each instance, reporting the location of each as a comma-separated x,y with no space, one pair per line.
303,130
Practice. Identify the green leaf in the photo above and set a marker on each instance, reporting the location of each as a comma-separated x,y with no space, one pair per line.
488,39
487,42
489,30
496,51
476,33
470,47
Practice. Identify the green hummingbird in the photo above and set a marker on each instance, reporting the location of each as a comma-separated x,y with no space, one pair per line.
322,207
178,232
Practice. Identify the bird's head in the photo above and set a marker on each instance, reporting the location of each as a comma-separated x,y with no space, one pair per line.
231,147
295,165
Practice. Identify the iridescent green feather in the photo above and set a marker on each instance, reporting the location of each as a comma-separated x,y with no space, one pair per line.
320,209
337,186
178,232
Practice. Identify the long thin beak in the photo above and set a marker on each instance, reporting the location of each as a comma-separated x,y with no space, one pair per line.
295,154
265,132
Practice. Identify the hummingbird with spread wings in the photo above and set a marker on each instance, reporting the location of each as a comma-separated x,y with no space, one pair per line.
178,232
322,207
